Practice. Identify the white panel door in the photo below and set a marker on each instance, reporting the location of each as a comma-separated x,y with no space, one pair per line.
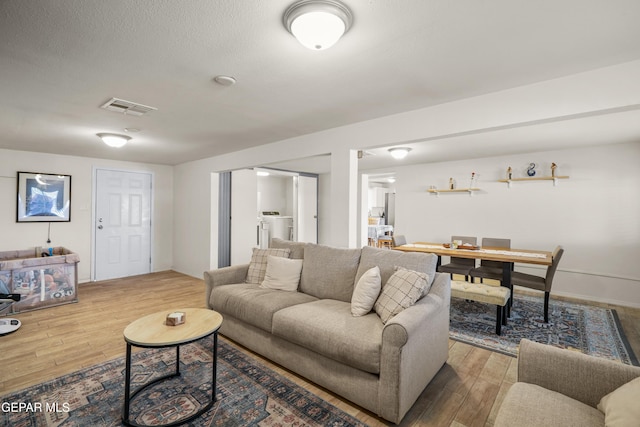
123,224
244,215
307,220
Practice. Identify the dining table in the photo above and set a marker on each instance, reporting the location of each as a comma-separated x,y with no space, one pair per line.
507,256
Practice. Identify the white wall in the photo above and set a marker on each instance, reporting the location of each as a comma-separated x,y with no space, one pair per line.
275,193
76,235
594,215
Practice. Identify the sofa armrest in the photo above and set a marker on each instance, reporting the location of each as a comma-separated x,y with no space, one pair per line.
223,276
415,345
579,376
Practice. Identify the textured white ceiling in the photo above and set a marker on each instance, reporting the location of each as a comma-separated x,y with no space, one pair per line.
60,60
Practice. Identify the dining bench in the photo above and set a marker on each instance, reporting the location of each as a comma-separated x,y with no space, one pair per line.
480,292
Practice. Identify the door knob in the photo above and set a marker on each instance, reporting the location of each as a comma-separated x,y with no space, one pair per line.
100,227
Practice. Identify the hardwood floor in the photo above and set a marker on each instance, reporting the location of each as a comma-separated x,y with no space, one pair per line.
55,341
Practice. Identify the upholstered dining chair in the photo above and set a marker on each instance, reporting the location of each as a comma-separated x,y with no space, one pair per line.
460,265
399,240
540,283
490,269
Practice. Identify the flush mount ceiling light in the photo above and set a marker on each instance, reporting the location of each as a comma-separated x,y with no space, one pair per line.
317,24
113,139
399,152
225,80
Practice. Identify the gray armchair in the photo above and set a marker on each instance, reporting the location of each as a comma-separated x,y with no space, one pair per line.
559,387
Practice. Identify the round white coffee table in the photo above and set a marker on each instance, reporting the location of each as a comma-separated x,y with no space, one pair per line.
152,332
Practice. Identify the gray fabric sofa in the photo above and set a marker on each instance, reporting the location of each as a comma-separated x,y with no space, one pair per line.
380,367
559,387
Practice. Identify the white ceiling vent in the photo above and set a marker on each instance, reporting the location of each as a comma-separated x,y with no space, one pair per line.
127,107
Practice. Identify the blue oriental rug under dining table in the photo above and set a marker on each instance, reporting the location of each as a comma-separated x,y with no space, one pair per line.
590,329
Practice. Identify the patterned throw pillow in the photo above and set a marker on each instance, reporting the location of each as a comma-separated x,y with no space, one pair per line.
401,291
258,263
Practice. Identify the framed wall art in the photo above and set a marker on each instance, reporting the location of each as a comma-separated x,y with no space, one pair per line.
43,197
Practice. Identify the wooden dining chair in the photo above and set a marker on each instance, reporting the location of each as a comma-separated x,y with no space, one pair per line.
540,283
457,265
490,269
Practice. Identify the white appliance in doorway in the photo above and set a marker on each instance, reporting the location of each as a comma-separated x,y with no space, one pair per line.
272,225
122,224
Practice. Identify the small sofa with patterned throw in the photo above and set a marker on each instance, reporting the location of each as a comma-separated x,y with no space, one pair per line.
371,325
566,388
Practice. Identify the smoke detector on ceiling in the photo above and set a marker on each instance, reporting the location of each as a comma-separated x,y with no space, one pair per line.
127,107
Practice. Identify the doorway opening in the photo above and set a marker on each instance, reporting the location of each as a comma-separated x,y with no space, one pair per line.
265,204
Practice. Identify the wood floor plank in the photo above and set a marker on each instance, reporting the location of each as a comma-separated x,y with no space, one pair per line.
477,404
467,391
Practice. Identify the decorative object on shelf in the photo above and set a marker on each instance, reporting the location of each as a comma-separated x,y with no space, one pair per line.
452,187
531,170
531,175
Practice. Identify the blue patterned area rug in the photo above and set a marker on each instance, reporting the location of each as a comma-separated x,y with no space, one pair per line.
591,330
248,394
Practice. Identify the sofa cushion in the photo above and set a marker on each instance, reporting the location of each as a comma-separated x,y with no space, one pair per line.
296,248
387,260
366,292
401,291
282,273
327,327
258,263
252,304
531,405
329,272
620,407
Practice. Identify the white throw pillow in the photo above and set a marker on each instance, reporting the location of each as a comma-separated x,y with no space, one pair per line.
620,407
282,273
401,291
366,292
258,263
